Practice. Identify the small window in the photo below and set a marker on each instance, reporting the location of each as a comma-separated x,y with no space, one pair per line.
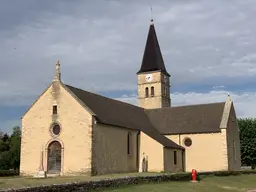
187,142
152,91
146,92
54,109
128,144
175,157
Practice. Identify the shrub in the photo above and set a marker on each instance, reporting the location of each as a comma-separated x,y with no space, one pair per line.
229,173
8,173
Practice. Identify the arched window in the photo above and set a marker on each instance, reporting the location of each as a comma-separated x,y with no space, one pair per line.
146,92
152,91
128,144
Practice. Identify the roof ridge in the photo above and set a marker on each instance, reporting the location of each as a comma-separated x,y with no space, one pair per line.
190,105
103,96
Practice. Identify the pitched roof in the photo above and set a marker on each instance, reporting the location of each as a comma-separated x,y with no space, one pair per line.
203,118
114,112
152,58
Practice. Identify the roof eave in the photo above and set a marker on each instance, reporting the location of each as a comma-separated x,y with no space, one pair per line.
159,70
178,148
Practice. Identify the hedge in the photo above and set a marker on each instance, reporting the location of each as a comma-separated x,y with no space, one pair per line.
8,173
105,183
229,173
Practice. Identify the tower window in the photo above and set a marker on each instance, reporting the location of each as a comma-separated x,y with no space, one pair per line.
54,110
152,91
165,91
146,92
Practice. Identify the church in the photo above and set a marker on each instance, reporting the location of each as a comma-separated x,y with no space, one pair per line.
70,131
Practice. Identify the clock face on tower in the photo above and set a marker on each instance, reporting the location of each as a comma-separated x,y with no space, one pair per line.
149,77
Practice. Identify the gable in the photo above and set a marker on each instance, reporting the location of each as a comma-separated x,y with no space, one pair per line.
203,118
47,95
45,92
232,119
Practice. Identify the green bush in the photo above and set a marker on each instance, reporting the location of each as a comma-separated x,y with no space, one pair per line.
229,173
180,177
8,173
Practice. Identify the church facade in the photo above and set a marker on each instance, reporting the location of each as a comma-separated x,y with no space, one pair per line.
70,131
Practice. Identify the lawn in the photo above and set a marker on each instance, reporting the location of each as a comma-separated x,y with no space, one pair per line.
207,184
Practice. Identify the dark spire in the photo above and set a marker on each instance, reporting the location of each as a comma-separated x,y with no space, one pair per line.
152,58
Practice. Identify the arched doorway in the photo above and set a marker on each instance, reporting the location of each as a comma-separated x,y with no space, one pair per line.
54,157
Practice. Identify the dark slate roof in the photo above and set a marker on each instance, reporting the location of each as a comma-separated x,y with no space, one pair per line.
152,58
114,112
203,118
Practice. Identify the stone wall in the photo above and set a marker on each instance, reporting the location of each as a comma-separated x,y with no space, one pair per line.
103,184
121,182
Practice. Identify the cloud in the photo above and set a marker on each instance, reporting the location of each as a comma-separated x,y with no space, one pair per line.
100,46
6,126
219,87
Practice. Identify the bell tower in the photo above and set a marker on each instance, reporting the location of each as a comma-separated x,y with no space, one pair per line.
153,79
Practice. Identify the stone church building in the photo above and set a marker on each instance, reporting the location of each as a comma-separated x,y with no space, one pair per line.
70,131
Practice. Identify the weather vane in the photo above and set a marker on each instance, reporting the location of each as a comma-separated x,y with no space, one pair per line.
151,14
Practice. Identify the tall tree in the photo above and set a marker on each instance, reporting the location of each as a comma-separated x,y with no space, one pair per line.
10,150
4,143
15,144
1,134
247,128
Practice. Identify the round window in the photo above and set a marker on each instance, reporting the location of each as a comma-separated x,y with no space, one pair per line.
56,129
187,142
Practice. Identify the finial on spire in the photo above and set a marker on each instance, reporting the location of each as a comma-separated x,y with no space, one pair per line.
229,98
57,71
151,15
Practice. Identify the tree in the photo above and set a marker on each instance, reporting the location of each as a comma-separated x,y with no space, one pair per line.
5,161
4,143
14,152
1,134
10,150
247,128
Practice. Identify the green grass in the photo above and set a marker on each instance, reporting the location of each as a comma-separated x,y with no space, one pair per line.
207,184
